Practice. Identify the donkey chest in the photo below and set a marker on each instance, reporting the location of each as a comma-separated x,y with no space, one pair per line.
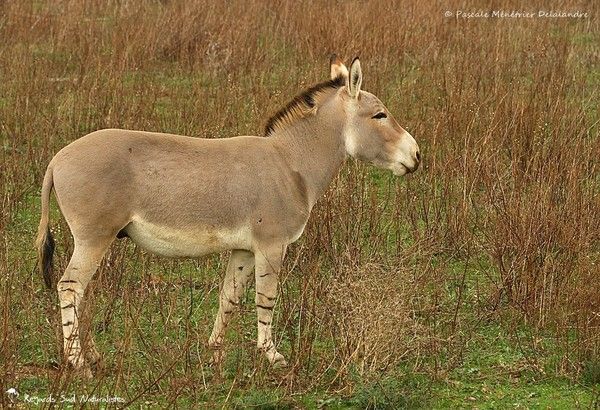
186,241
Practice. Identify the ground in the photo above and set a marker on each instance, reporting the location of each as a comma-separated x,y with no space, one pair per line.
470,284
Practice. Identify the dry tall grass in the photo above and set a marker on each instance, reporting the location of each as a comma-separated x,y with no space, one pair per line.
500,225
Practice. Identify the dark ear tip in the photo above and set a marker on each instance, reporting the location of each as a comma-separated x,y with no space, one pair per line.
354,59
333,58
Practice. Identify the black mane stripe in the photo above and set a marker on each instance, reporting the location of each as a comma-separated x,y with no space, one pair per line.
305,101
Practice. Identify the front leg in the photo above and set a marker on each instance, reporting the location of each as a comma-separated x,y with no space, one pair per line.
268,262
237,275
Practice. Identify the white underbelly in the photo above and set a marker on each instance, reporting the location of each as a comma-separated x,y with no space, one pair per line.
190,242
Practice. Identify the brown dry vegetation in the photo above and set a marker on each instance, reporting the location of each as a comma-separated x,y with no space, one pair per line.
498,230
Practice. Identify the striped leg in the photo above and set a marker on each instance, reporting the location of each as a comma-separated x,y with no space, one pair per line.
239,271
267,278
71,288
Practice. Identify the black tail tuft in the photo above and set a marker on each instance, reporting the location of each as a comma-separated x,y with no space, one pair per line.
47,252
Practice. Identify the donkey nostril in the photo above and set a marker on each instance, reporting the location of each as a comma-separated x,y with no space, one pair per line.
418,155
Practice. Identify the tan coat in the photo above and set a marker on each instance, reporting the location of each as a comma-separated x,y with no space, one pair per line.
185,197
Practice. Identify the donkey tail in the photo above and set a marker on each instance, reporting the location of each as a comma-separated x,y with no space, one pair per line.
45,241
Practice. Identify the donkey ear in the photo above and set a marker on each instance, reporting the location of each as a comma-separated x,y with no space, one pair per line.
338,69
355,80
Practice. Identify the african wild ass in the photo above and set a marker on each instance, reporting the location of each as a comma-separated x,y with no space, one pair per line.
179,196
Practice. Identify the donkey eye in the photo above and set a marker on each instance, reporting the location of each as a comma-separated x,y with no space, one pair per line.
379,115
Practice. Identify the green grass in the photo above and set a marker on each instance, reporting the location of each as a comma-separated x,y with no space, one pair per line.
152,317
497,374
493,370
494,373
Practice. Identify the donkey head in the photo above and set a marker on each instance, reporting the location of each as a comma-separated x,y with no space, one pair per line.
371,133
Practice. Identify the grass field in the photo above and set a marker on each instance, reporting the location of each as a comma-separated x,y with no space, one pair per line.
473,283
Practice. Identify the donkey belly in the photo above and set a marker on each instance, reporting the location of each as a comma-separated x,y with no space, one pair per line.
189,241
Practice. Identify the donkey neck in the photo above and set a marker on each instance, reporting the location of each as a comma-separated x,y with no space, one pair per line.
314,148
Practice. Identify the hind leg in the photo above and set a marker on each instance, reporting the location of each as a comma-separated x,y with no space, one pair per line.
71,288
90,352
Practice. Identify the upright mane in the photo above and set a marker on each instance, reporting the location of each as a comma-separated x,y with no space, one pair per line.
301,105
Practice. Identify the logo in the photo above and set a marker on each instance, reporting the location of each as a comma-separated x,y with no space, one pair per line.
12,393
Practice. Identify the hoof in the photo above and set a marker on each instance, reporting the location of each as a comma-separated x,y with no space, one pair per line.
85,373
279,364
79,367
217,357
276,359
